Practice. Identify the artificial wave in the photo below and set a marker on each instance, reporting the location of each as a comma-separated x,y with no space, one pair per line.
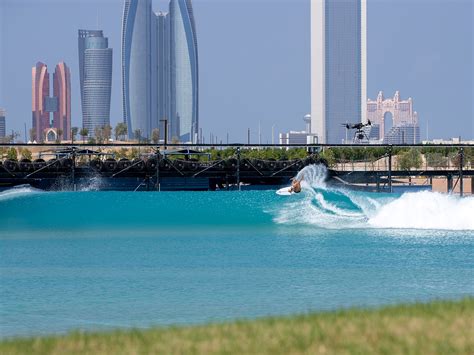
328,207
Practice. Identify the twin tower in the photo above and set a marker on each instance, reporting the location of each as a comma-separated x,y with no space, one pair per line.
160,80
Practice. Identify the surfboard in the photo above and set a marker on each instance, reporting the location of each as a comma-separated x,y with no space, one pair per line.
285,191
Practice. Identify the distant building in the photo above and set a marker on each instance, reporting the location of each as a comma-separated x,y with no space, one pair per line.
338,66
40,92
294,137
303,137
184,72
160,78
62,91
163,67
137,68
95,69
393,112
59,104
458,140
3,125
405,134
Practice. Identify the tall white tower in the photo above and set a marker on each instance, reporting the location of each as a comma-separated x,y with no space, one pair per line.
338,66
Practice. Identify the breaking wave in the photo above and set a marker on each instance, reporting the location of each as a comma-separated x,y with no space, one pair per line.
18,192
334,208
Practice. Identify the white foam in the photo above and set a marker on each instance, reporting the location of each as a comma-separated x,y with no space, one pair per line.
331,208
17,193
426,210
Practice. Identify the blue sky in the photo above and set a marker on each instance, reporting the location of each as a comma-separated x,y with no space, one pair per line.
254,59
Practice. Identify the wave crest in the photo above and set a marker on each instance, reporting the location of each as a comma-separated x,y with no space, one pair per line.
331,208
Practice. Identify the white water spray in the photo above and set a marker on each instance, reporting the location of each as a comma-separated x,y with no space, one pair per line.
18,192
335,208
426,210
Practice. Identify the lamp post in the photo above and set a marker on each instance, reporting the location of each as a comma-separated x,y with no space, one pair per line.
166,132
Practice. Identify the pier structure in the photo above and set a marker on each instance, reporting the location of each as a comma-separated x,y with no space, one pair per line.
379,168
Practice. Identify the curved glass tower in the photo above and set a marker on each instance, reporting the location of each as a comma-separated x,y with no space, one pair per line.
137,67
184,72
95,64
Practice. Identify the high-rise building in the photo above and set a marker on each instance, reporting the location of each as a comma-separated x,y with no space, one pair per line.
95,68
163,70
137,73
59,104
3,125
338,66
160,78
62,91
184,72
40,92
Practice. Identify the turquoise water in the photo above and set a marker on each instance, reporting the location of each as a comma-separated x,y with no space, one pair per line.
97,261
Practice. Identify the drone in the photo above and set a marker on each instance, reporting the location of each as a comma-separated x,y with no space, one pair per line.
360,134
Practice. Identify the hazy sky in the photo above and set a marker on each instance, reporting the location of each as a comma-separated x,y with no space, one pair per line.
255,59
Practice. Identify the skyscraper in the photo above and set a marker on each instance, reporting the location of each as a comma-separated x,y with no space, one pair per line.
62,91
338,66
40,92
43,104
95,69
160,69
184,72
163,69
137,67
3,126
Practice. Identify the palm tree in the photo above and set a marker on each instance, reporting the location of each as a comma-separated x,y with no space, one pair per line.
121,131
74,131
84,132
155,136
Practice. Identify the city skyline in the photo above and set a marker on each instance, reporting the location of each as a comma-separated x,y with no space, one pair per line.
227,107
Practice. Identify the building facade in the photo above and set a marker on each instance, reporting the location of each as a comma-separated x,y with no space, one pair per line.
40,92
160,79
95,68
404,134
184,72
3,124
137,72
43,105
338,66
163,70
62,91
391,112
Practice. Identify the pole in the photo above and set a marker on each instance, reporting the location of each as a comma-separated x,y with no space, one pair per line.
248,136
461,174
259,132
238,167
166,132
158,159
74,169
390,169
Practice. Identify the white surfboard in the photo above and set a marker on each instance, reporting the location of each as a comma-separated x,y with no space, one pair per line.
285,191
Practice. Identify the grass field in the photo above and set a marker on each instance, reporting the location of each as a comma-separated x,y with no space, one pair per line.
434,328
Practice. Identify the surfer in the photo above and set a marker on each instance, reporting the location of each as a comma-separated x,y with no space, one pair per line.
295,186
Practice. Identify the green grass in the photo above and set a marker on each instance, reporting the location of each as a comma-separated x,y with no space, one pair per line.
434,328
